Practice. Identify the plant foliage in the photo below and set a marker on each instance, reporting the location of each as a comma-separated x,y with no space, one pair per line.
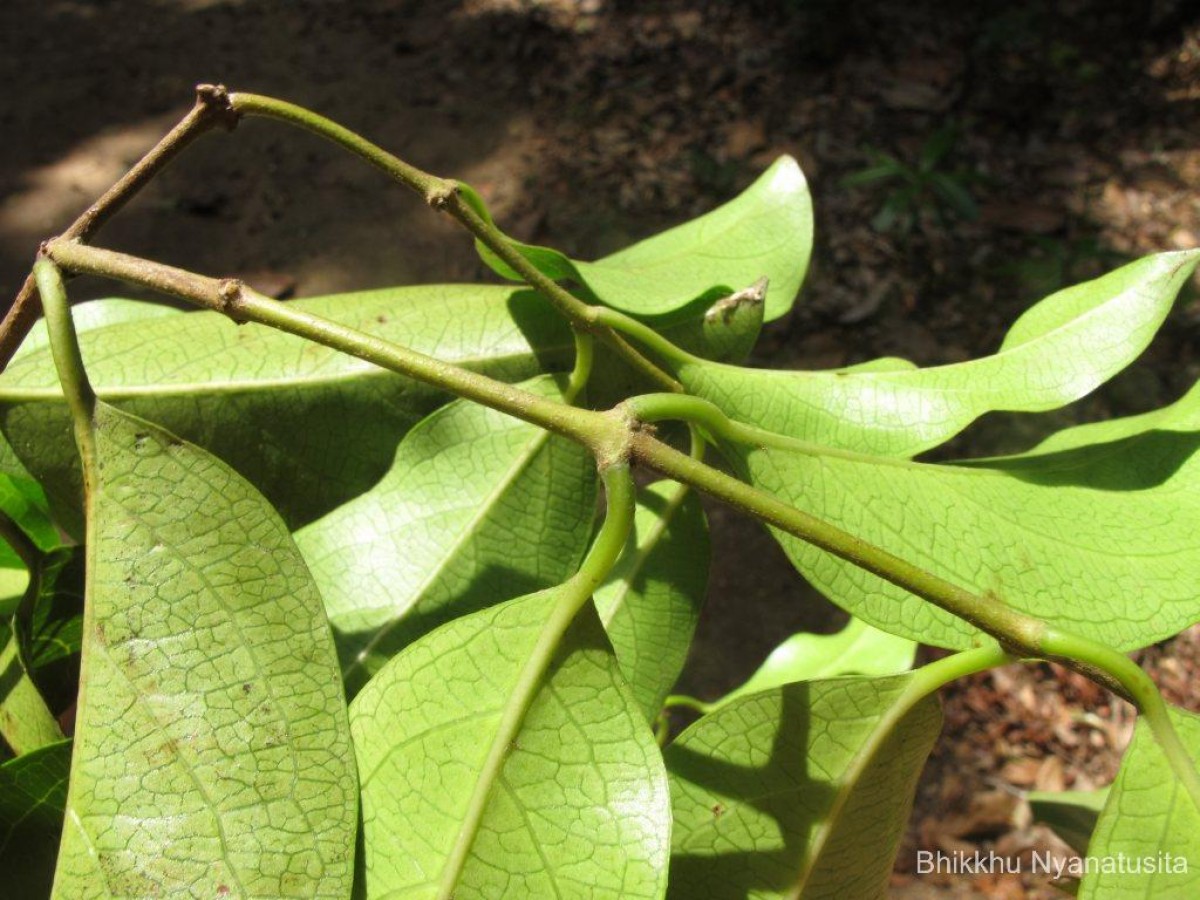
328,594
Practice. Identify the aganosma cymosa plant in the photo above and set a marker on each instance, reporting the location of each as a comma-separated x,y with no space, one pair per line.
329,581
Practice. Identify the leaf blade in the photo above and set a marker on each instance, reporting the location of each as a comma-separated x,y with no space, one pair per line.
1057,352
650,602
211,720
558,813
764,231
1095,534
476,509
800,790
1148,814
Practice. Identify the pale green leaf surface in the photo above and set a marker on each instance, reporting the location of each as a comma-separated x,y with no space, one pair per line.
477,508
801,790
212,749
33,794
764,231
274,406
1060,350
577,807
651,600
93,314
1097,538
1148,815
858,649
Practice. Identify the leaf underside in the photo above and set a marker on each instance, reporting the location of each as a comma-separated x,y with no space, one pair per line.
212,751
477,508
578,804
801,790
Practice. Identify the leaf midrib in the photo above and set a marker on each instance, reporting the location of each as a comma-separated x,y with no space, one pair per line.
216,388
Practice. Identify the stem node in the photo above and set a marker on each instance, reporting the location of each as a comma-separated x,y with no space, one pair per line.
214,100
439,194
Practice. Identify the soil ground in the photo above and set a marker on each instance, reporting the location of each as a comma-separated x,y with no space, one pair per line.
1073,125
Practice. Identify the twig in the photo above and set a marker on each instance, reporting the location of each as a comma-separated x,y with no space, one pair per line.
212,108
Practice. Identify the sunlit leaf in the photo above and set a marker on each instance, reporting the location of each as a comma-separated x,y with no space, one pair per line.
477,508
212,752
858,649
1058,351
764,231
651,601
272,405
575,804
799,791
1148,821
1094,531
275,406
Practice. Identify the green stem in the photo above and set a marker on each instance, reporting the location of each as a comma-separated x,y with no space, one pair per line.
444,194
707,415
64,347
685,701
585,356
1141,688
988,613
610,541
612,438
641,332
602,433
938,673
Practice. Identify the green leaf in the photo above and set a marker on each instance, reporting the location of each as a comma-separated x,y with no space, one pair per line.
651,600
477,508
26,722
800,790
1150,820
1095,534
272,405
56,630
858,649
33,795
574,805
95,314
764,231
1072,814
1057,352
22,500
212,750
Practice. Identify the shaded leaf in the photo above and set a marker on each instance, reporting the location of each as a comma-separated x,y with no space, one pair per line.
651,600
477,508
1057,352
273,405
212,751
1096,537
800,790
764,231
26,722
33,794
1150,820
574,805
858,649
1072,814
